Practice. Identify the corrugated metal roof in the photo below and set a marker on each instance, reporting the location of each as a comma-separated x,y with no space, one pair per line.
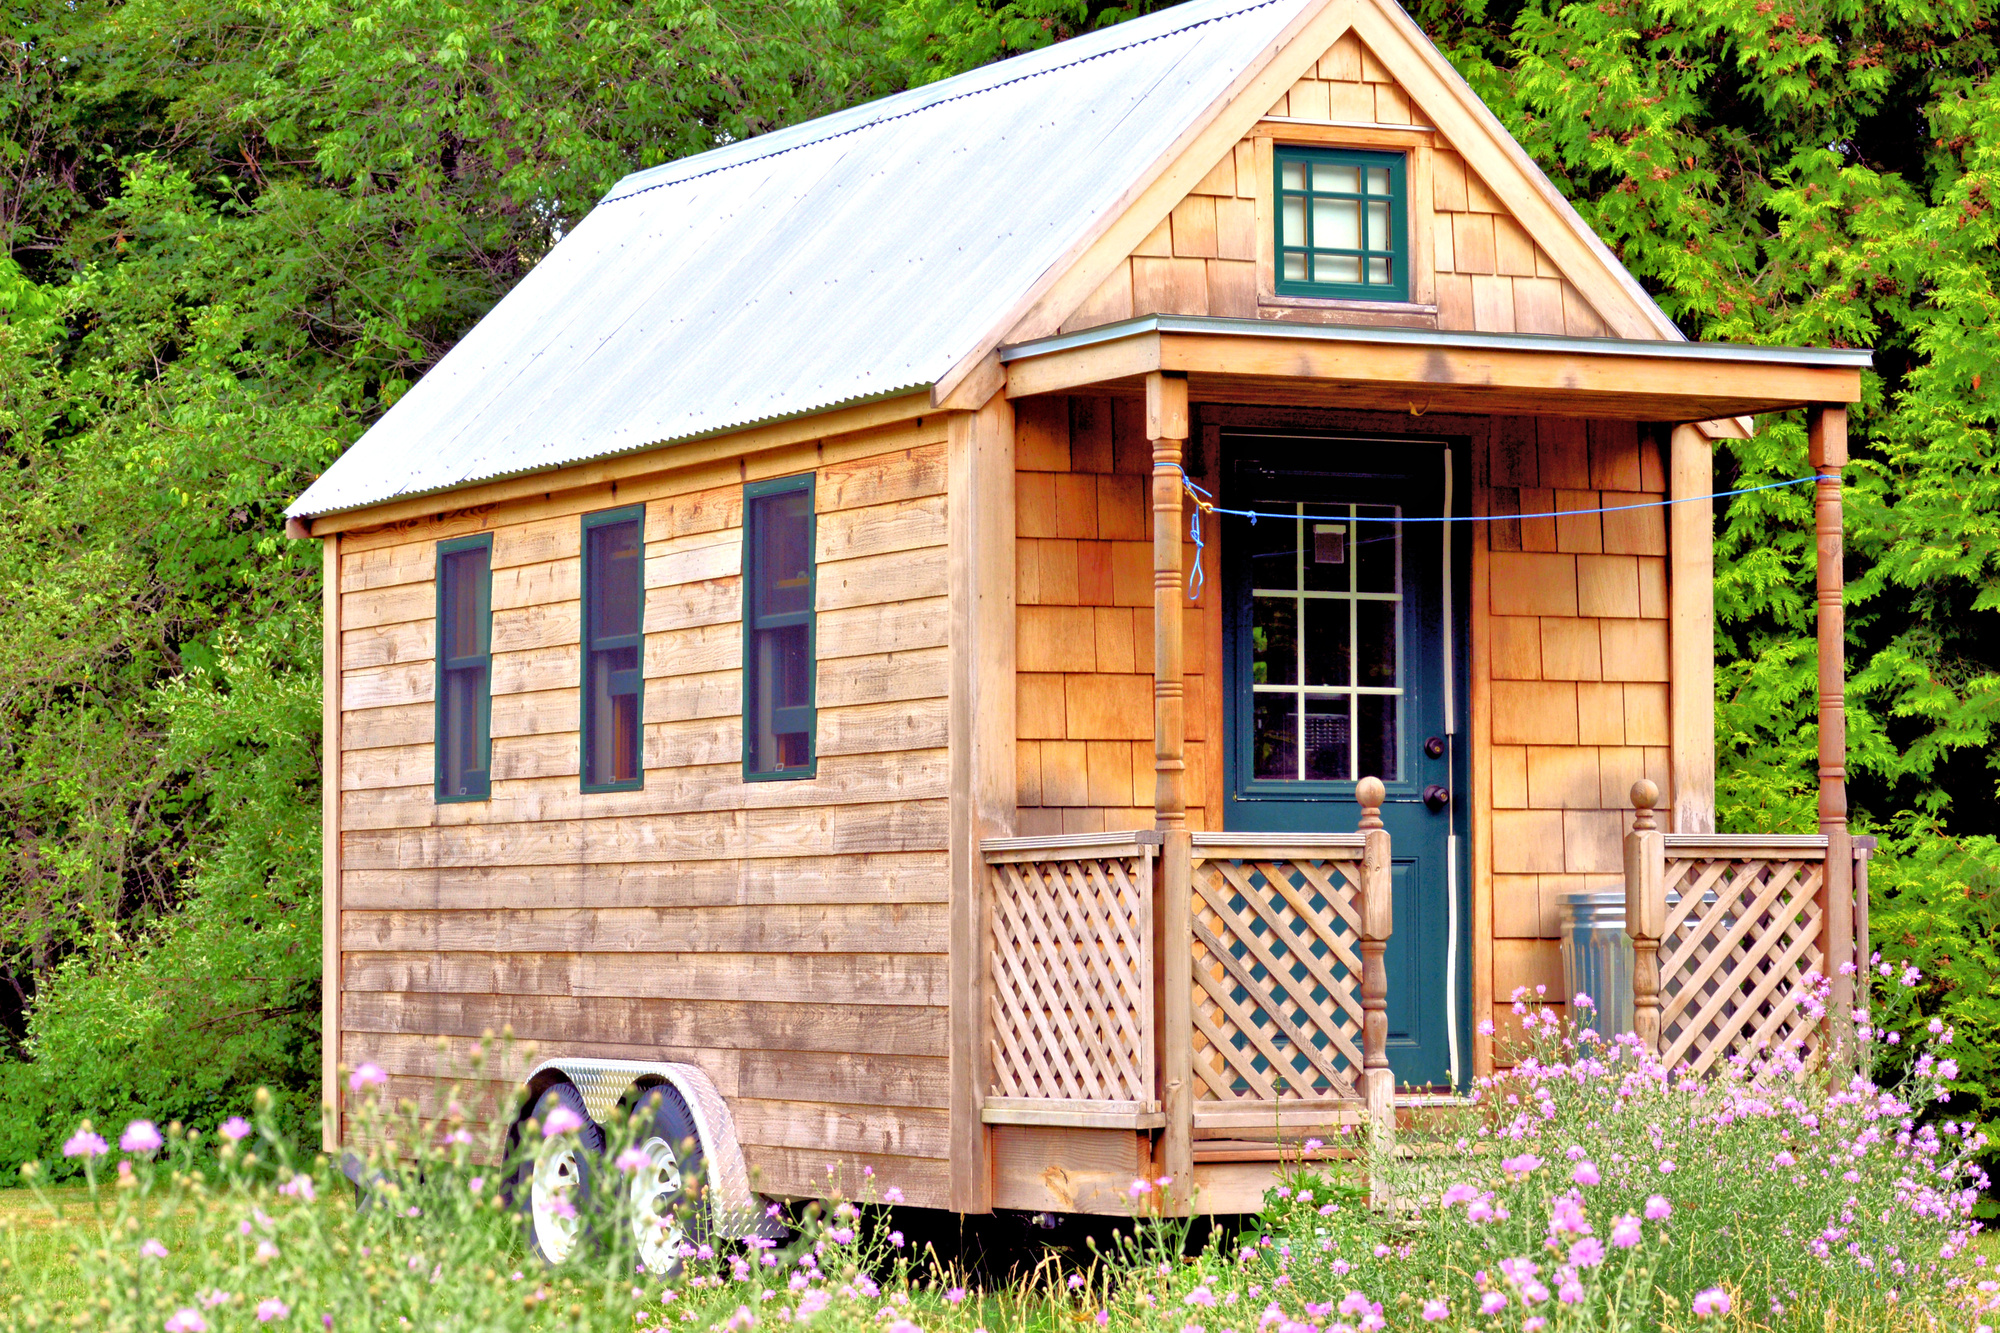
847,258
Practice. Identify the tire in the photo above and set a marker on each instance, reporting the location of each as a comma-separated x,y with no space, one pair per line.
666,1199
555,1181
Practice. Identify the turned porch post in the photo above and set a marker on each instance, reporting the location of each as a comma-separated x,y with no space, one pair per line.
1173,960
1378,1083
1645,911
1826,435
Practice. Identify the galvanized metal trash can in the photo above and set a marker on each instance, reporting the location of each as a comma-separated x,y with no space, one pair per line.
1597,958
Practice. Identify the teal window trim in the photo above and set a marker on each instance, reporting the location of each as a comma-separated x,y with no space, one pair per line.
1306,206
758,620
593,643
468,673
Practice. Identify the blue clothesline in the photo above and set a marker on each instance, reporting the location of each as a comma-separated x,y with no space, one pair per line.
1204,502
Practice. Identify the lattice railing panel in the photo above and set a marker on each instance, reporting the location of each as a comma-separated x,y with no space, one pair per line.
1741,935
1070,972
1277,976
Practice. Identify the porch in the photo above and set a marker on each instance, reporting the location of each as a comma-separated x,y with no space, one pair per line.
1183,998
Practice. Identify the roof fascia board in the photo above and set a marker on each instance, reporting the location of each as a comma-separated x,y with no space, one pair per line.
1084,266
667,456
1471,128
1596,367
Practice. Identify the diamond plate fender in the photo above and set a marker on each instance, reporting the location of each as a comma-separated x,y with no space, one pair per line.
738,1210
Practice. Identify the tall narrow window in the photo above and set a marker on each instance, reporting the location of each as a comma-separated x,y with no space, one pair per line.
1341,224
613,602
778,628
465,668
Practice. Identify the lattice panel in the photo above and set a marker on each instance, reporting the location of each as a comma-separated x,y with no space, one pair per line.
1277,979
1071,968
1738,945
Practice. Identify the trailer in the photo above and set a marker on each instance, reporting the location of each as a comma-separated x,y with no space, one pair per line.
1068,625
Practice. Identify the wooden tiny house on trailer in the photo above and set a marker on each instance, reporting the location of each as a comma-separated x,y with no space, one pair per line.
780,649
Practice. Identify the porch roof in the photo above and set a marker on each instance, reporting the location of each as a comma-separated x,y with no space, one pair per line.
1425,369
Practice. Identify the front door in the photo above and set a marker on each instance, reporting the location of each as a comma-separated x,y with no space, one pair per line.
1341,649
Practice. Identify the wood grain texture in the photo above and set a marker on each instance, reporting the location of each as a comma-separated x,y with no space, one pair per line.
792,936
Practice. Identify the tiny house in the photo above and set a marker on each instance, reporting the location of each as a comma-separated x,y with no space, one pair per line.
1067,624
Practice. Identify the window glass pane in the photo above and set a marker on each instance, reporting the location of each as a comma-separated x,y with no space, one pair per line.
1336,224
1275,736
784,553
1378,272
614,687
1378,227
1274,551
1329,751
1378,736
1274,641
1375,551
617,580
1326,640
1336,268
1294,174
1295,266
1378,180
783,681
461,747
1336,177
464,631
1295,221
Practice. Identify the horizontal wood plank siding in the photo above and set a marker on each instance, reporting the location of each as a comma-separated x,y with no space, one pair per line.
789,937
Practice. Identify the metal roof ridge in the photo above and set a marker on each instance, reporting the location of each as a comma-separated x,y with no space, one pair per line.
1535,342
831,126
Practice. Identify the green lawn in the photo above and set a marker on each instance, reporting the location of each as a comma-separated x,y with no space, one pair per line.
36,1247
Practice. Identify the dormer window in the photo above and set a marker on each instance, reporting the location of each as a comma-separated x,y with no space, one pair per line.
1342,224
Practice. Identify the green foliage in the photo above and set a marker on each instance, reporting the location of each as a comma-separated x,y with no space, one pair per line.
236,236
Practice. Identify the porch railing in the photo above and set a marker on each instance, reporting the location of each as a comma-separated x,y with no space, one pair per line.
1729,932
1279,961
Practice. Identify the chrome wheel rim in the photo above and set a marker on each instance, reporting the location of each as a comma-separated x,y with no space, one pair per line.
655,1200
552,1197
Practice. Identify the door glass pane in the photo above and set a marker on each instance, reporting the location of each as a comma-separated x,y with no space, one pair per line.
1274,551
1274,743
1274,641
1375,556
1375,646
1329,552
1378,735
1326,641
1329,748
1336,224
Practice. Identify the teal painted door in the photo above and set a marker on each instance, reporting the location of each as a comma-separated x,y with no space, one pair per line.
1343,652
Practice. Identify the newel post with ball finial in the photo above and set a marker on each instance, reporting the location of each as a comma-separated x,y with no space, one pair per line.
1378,1084
1645,910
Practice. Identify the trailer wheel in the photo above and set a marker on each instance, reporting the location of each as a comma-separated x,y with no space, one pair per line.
667,1199
555,1182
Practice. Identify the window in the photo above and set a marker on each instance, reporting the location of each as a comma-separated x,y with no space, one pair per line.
1325,623
778,629
465,668
1341,224
614,595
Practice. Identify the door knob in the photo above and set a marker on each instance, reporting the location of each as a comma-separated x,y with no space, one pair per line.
1436,797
